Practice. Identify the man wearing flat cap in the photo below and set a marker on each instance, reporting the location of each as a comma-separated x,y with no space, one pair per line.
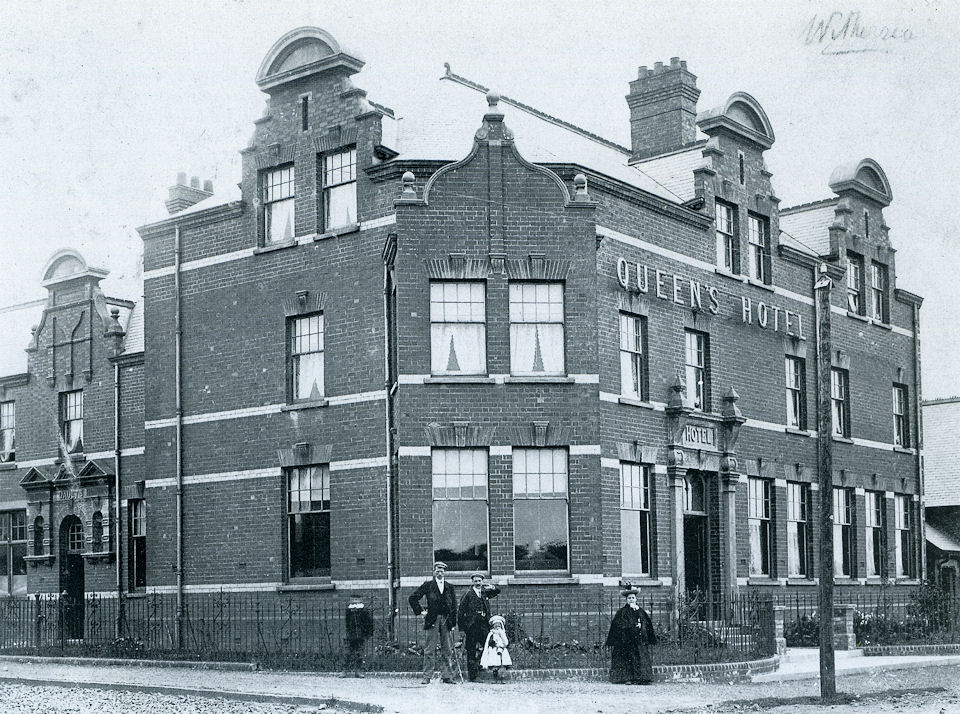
441,618
472,619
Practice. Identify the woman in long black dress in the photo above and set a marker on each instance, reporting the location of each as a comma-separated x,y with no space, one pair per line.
630,632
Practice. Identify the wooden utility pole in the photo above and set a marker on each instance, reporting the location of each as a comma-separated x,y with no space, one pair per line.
821,290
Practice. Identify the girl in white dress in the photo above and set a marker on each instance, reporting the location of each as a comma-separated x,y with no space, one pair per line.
495,655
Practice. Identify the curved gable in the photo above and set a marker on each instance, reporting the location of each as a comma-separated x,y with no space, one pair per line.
303,52
865,177
741,115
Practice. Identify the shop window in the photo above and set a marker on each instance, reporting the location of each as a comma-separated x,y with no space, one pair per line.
305,358
460,511
796,381
798,530
901,416
759,523
540,510
758,232
137,557
840,401
633,359
873,503
855,283
458,329
277,188
536,329
879,305
71,420
340,189
903,524
8,450
696,368
635,522
727,239
843,563
13,549
308,521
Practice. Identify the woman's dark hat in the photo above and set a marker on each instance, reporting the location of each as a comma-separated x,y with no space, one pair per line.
631,591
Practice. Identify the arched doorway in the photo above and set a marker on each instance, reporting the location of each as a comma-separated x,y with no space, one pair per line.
695,533
71,576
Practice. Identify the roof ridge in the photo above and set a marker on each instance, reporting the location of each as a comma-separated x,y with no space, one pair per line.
809,204
29,303
940,400
698,144
449,74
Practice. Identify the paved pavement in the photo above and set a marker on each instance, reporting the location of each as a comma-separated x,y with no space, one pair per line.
407,695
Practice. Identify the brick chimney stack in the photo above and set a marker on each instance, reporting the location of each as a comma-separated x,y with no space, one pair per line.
183,196
663,109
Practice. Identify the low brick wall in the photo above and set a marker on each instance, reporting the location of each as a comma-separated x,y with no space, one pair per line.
905,650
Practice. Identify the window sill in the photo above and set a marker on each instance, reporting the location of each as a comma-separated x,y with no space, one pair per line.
763,581
94,556
727,274
38,559
844,580
882,325
636,402
906,581
306,587
801,581
459,379
904,450
641,581
857,316
532,379
543,580
841,439
297,406
798,432
8,466
271,247
338,231
760,284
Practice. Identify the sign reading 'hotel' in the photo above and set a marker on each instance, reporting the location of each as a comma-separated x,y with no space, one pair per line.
692,293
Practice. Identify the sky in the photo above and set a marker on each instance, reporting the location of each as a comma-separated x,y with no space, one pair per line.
102,103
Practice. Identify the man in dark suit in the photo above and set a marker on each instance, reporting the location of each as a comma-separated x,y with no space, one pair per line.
472,619
441,618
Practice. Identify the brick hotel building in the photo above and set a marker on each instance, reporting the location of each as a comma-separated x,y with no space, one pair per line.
480,334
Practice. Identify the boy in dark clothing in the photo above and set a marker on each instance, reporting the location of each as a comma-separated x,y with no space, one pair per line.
359,625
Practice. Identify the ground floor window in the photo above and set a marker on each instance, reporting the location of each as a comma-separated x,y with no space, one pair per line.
540,509
873,502
137,557
759,511
798,530
13,548
904,546
460,533
843,532
308,521
635,519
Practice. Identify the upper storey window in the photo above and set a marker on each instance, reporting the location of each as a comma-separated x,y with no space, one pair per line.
340,189
7,431
306,357
726,220
278,200
855,283
71,420
759,234
696,360
536,329
878,292
458,329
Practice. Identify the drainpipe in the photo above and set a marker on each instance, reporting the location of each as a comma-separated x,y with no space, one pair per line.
918,405
178,332
117,530
388,424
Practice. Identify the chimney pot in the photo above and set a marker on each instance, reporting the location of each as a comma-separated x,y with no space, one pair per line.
683,64
208,186
674,62
643,71
194,182
658,67
182,178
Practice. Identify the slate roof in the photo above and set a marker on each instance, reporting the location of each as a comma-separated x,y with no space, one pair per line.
674,171
16,321
941,449
944,541
133,340
808,225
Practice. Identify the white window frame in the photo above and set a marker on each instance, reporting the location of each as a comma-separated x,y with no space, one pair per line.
901,416
8,431
903,528
878,292
295,507
760,525
636,505
633,356
873,503
540,304
726,228
840,401
843,533
279,204
137,510
13,539
339,185
758,232
795,375
303,346
71,420
855,283
798,530
461,474
696,369
522,492
457,308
